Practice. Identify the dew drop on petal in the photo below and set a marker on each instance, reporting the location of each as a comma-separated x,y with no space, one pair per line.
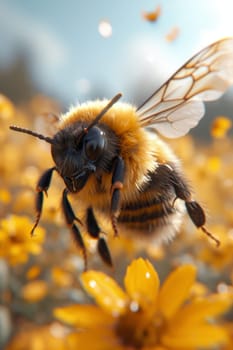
57,330
92,283
105,28
148,275
222,288
121,303
134,306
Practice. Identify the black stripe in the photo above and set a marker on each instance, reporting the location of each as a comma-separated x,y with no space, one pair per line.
142,204
156,214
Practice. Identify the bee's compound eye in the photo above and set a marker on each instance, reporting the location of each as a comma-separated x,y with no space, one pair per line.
94,143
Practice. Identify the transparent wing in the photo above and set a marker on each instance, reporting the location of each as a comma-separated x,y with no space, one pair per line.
177,106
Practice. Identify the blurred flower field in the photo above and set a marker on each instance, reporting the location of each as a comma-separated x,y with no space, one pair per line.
175,297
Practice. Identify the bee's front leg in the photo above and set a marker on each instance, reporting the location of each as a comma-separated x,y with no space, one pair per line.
70,219
117,185
95,232
41,188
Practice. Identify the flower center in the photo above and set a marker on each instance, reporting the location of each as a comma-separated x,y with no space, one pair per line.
140,329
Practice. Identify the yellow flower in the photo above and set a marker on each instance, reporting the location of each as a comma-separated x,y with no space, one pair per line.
47,337
6,109
146,315
220,126
61,277
34,291
33,272
15,241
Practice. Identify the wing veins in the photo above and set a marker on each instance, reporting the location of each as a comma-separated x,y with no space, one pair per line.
214,60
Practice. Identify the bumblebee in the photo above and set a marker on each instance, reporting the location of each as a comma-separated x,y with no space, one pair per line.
111,158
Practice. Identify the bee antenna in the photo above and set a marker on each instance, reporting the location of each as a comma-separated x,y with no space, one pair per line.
104,110
32,133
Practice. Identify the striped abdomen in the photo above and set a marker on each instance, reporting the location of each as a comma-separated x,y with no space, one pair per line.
146,216
156,207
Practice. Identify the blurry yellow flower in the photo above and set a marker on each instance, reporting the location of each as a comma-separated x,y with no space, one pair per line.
61,277
24,201
145,315
51,337
6,108
220,126
34,291
15,241
213,164
33,272
5,196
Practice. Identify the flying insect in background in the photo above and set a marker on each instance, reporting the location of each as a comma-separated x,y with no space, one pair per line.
110,156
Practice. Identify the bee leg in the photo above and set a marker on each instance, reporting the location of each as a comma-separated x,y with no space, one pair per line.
41,188
197,215
117,185
70,219
95,232
195,211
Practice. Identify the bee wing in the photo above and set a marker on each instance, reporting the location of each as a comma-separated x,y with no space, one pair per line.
177,106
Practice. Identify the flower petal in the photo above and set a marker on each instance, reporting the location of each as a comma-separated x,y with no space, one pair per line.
176,289
142,282
83,316
201,336
202,309
106,291
94,339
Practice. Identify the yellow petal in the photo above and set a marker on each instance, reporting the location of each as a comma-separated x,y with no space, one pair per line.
83,316
105,291
142,282
95,339
176,289
202,309
153,15
156,347
201,336
172,34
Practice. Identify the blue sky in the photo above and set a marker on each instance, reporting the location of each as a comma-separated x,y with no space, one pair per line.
68,56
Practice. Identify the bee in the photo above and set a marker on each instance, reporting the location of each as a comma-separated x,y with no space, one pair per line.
112,159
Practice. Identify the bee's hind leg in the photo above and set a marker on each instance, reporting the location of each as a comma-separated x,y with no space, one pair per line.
95,232
195,211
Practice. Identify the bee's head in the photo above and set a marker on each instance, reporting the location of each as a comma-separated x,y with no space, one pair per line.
77,153
79,149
